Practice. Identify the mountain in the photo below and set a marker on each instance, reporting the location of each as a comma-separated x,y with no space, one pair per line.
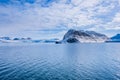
12,40
51,40
115,38
26,40
46,41
76,36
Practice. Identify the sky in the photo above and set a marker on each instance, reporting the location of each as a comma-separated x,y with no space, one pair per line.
43,19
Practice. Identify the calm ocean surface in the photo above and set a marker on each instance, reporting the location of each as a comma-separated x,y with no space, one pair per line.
60,61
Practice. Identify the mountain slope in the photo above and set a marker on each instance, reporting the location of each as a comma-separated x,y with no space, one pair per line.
75,36
115,38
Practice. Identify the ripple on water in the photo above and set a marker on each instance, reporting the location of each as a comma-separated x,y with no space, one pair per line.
81,63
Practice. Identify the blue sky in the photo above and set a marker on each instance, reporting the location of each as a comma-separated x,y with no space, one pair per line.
52,18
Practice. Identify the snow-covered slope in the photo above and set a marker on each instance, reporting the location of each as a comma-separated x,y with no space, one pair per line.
73,36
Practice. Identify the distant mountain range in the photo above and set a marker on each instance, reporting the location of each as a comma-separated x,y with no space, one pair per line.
72,36
26,40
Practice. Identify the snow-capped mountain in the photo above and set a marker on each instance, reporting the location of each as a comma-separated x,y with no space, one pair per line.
115,38
12,40
26,40
74,36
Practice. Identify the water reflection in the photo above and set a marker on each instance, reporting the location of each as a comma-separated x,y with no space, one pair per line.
60,62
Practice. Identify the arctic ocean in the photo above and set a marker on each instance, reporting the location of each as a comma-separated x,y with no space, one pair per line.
99,61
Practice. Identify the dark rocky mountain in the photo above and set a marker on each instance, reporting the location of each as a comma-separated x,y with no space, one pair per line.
115,38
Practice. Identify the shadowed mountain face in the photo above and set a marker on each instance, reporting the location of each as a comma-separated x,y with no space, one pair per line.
73,36
116,37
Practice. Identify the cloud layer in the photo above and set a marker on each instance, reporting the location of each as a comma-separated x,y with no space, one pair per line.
35,18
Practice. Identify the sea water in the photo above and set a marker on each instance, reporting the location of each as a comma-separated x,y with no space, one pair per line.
99,61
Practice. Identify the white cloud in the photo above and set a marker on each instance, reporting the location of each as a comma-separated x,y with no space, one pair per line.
89,3
114,24
117,18
57,15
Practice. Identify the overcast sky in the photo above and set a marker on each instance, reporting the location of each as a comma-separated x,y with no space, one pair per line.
52,18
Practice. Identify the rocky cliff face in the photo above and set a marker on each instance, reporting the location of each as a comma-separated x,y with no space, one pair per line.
76,36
